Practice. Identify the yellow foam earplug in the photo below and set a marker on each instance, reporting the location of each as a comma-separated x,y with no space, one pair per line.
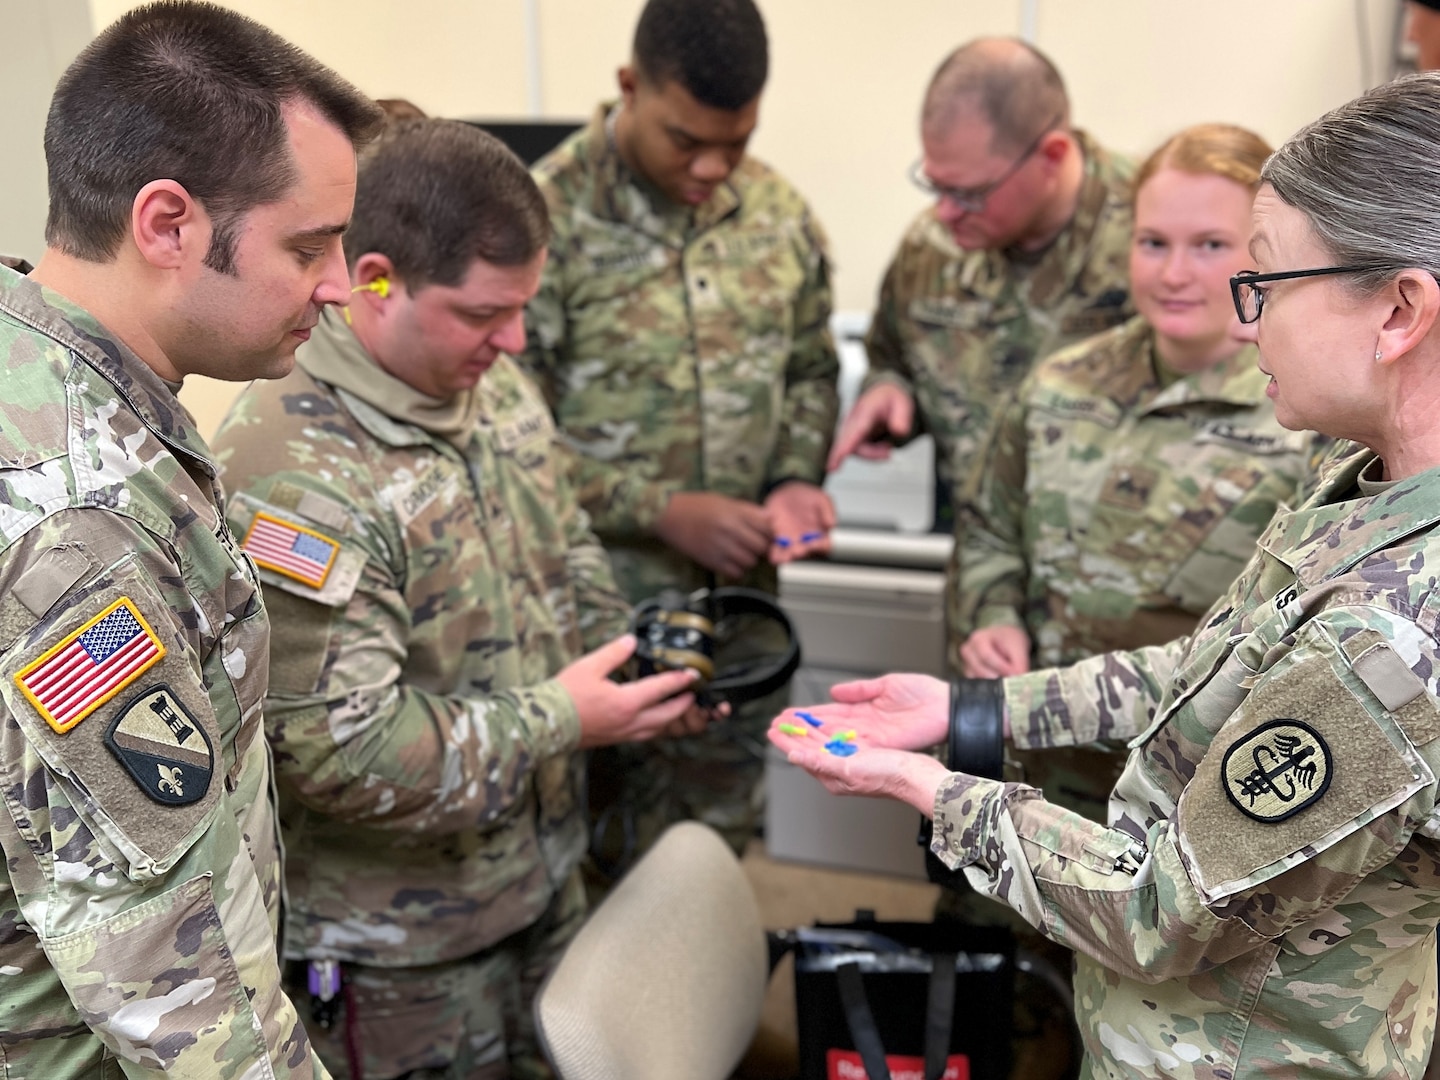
380,285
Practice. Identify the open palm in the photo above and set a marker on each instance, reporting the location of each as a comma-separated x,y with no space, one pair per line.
901,712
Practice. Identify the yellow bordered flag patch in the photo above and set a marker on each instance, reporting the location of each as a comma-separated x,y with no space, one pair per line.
77,675
290,549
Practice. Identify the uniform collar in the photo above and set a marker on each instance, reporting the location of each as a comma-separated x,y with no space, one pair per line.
1238,382
621,195
1335,530
1128,377
149,396
334,355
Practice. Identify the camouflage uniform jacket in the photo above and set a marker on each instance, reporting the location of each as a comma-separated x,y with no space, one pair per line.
1113,511
682,350
1264,902
141,885
958,330
429,784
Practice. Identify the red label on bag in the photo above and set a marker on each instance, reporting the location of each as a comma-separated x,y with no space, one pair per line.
846,1065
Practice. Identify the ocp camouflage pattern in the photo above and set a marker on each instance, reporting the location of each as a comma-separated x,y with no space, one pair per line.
958,330
1111,510
135,937
429,783
1219,938
681,350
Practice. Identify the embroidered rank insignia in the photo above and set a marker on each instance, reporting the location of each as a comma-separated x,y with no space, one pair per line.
289,549
162,747
1277,770
89,667
1129,486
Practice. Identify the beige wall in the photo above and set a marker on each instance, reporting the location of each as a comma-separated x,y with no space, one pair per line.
840,112
38,38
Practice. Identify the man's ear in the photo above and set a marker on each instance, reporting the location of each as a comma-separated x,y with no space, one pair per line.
373,282
626,79
1413,301
1053,147
167,224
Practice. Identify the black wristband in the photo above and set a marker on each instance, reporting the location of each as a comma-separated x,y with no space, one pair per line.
977,727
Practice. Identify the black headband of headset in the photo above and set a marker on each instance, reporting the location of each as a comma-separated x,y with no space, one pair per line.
745,680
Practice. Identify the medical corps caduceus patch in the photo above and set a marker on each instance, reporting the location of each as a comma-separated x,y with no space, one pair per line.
162,747
1277,770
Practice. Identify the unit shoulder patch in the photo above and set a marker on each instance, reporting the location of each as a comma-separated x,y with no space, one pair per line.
90,665
290,549
105,693
1277,770
163,747
1300,765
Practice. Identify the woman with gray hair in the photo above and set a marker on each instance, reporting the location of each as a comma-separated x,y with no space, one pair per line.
1265,896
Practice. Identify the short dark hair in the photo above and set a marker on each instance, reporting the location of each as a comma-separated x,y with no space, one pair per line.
435,195
715,49
191,92
1013,86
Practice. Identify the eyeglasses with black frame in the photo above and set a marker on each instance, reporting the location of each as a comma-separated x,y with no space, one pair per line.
1250,298
972,200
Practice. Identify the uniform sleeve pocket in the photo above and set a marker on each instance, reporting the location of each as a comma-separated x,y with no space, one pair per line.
158,983
1309,760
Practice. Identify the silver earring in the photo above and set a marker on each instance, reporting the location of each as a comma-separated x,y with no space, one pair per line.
1377,356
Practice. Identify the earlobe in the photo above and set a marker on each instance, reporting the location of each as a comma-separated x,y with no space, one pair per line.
1414,298
164,221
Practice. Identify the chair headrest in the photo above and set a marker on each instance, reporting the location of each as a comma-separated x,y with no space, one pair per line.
668,976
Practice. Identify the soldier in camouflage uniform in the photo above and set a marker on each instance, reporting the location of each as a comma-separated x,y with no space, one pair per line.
1023,253
681,337
433,585
1126,483
141,884
1264,900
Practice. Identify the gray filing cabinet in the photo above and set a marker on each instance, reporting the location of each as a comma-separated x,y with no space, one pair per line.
875,606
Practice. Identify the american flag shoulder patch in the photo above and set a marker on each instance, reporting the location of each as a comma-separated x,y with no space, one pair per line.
290,549
87,668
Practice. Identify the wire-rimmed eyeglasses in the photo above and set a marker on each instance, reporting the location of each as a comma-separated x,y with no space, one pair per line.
972,200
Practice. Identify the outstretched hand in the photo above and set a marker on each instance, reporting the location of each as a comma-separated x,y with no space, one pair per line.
847,763
900,712
863,742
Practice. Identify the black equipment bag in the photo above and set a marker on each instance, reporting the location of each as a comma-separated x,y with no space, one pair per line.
904,1001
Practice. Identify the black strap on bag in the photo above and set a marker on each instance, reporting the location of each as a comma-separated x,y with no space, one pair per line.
939,1011
861,1021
